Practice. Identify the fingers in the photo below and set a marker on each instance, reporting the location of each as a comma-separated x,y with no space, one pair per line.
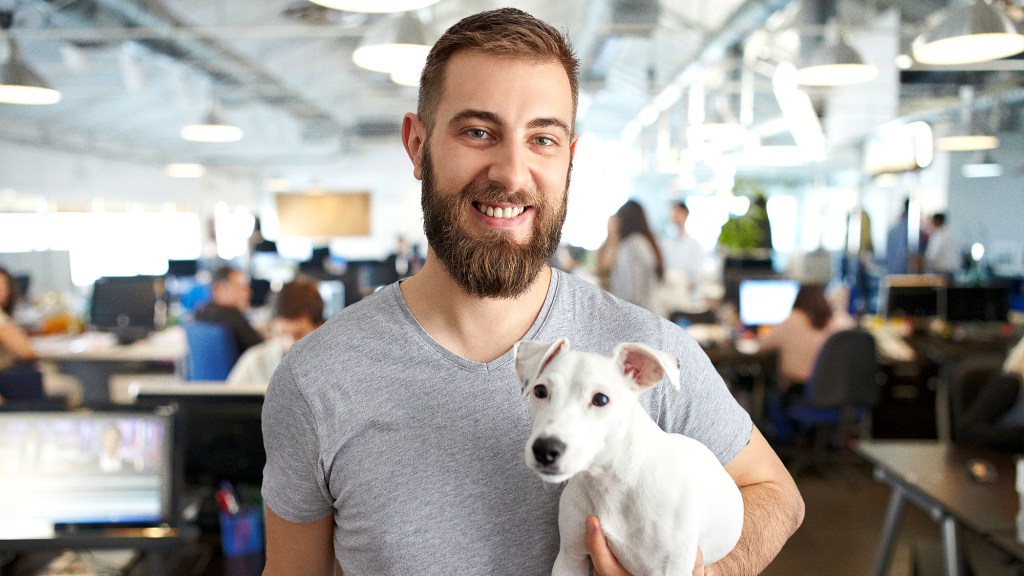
601,555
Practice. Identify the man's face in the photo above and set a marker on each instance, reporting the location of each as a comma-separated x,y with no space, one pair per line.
288,331
236,291
495,171
679,217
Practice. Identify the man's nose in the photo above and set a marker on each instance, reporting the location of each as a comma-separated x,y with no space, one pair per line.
511,168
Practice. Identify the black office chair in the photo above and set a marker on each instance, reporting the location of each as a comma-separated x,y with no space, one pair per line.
839,396
968,378
21,388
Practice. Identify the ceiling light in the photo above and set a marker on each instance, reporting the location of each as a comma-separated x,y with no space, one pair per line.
213,128
184,170
407,75
977,32
375,6
836,63
982,166
392,42
19,84
969,135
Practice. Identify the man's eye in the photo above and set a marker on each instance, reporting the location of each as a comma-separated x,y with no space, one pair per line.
545,141
476,133
540,391
600,399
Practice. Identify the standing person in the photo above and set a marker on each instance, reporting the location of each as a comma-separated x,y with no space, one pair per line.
230,301
897,249
395,432
298,310
940,256
684,257
630,257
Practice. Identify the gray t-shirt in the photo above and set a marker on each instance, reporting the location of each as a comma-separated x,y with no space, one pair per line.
419,454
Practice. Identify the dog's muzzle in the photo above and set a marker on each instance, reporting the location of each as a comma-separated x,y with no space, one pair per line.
547,450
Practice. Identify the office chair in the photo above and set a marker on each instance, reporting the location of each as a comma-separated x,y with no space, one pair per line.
21,388
212,351
839,396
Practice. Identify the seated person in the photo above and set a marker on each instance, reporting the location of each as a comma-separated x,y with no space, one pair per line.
995,418
228,305
298,310
17,354
15,346
799,337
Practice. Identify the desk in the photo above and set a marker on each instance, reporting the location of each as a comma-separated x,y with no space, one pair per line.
759,364
94,356
933,476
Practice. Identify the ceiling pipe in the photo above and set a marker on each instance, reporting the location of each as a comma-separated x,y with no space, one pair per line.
219,61
747,18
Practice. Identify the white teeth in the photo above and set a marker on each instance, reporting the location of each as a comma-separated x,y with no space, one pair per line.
507,212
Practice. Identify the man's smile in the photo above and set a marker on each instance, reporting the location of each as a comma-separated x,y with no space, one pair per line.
495,211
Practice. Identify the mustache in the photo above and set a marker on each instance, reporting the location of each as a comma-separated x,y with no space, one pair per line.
491,193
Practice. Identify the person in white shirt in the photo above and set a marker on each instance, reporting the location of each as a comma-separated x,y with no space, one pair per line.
684,260
940,256
298,310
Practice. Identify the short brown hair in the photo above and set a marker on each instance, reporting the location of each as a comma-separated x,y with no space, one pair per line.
507,32
811,299
300,299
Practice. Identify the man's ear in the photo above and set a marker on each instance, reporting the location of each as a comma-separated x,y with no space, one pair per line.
530,358
572,146
646,366
414,138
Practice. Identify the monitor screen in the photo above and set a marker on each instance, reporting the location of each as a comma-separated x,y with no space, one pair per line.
121,302
85,468
910,301
220,430
182,268
976,304
766,301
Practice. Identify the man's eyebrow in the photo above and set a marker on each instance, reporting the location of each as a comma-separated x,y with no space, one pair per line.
492,118
549,122
481,115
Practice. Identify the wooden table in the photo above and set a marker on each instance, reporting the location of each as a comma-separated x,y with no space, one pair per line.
933,476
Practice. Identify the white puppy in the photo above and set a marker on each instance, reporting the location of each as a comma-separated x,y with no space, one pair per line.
658,495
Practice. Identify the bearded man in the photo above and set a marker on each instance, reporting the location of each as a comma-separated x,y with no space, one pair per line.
395,432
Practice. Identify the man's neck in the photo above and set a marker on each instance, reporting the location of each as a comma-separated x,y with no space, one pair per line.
475,328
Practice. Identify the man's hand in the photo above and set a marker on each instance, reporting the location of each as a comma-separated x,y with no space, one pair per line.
605,563
601,555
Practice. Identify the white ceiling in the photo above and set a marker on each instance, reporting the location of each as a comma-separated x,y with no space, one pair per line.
133,72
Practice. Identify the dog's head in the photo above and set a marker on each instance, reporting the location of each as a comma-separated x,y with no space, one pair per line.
580,401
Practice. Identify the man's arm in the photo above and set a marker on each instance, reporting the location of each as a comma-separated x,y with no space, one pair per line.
772,508
299,549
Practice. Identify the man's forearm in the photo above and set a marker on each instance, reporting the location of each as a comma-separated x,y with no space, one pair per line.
771,514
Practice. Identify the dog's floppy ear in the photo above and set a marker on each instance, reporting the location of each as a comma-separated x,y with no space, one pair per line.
645,365
532,357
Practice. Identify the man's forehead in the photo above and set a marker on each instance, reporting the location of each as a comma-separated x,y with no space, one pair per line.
470,72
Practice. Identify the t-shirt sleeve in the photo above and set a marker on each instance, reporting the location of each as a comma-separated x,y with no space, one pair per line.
703,408
294,482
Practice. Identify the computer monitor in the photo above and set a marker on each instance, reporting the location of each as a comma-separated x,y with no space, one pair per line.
65,471
766,301
126,305
975,304
183,268
220,430
910,301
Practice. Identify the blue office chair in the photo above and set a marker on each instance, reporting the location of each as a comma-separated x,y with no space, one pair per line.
212,351
839,396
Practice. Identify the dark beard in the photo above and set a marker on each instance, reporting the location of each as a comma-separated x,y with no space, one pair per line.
494,265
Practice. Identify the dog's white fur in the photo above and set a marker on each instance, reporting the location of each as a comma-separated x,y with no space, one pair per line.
658,495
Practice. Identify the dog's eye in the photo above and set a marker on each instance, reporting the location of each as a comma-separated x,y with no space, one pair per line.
540,391
600,399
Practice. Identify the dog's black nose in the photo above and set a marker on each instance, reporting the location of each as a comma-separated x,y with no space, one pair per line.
548,449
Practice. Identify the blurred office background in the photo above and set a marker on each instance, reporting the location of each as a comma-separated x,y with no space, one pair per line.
108,181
